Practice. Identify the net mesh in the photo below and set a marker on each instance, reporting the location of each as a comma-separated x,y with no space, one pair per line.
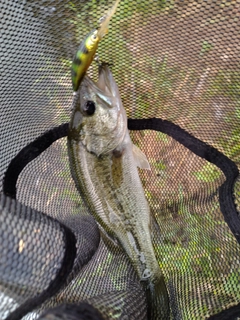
174,60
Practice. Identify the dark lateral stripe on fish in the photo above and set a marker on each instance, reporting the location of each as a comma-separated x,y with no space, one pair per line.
77,61
74,74
85,50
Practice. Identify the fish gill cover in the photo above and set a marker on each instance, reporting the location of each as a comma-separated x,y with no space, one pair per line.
176,64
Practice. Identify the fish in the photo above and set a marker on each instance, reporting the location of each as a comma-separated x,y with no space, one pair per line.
104,165
88,47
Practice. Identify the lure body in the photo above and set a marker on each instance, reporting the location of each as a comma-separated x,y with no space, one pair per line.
88,48
83,58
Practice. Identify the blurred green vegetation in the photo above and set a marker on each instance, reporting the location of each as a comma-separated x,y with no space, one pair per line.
192,247
206,47
56,75
192,230
227,83
208,173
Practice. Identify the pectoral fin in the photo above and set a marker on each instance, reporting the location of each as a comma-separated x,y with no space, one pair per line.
140,158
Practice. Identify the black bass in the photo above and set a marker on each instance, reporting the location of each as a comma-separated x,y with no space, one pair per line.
103,163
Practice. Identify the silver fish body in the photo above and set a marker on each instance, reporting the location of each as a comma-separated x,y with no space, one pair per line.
103,165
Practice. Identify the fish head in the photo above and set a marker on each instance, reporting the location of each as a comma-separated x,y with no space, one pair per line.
92,41
99,120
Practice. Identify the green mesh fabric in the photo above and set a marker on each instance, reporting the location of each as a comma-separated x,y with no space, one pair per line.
174,60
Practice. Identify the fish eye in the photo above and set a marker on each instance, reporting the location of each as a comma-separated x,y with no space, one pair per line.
89,107
94,36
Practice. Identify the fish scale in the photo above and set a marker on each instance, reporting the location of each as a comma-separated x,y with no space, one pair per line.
104,169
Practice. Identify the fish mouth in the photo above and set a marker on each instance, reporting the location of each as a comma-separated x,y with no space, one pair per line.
104,78
104,88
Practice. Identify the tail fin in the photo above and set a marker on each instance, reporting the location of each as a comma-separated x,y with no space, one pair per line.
158,300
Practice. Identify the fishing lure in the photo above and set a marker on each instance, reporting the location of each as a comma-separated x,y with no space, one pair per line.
88,48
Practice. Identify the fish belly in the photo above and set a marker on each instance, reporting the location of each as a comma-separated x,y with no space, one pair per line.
111,187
